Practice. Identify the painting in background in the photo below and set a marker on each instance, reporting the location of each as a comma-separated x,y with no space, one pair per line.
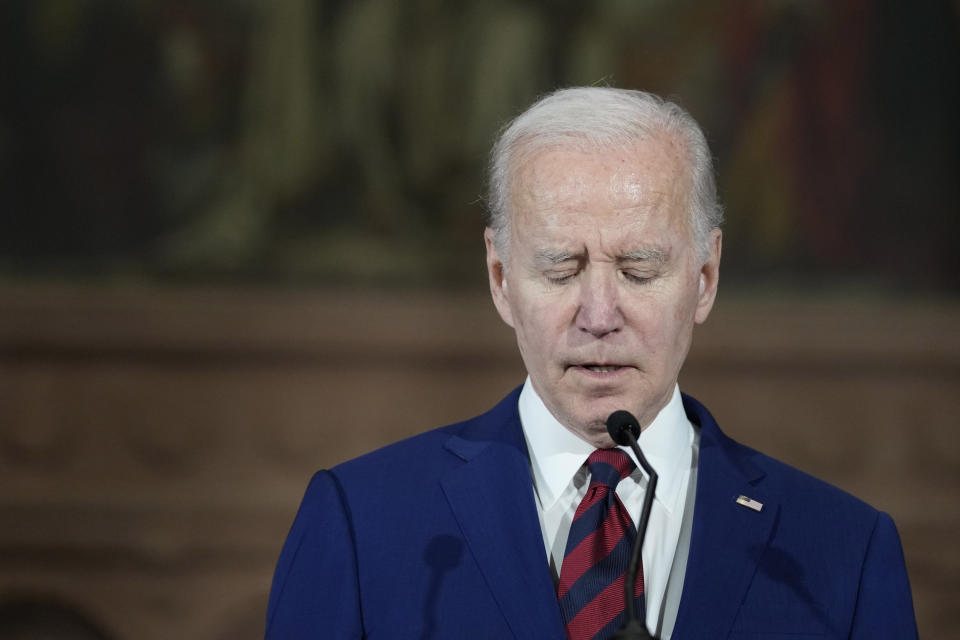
315,143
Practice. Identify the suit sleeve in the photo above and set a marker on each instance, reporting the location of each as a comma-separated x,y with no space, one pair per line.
315,590
884,604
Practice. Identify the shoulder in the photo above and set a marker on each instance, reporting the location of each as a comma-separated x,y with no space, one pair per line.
791,486
825,553
809,494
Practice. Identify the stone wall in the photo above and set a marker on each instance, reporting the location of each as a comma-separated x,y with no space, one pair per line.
154,444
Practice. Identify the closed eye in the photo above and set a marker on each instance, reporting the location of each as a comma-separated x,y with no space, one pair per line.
637,278
560,278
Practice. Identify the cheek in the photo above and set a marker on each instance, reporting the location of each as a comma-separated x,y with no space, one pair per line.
683,296
664,322
656,333
681,326
541,322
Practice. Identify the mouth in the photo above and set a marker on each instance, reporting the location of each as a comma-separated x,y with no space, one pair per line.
599,369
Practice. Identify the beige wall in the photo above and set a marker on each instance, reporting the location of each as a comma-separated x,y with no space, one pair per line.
154,444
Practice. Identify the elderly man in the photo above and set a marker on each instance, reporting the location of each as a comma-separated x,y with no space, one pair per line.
603,252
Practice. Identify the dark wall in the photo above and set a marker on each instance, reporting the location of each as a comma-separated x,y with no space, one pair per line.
154,445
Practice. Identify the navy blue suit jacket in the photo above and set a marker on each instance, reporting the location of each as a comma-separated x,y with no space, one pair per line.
437,536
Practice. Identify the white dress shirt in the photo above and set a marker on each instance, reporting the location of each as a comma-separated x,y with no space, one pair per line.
560,479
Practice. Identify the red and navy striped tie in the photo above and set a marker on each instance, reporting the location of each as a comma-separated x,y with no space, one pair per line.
598,552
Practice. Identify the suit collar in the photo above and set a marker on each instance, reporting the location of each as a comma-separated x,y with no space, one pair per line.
491,496
556,454
728,539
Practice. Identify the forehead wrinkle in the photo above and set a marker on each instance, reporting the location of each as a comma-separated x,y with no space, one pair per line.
551,189
565,203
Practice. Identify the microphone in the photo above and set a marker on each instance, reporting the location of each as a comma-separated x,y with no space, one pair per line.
624,430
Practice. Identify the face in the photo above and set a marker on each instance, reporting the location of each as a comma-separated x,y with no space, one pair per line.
602,283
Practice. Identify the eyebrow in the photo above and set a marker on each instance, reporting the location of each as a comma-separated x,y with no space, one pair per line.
554,257
651,254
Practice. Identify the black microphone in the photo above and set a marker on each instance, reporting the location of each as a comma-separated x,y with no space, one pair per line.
624,429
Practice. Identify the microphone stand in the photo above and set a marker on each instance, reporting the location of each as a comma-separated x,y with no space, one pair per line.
633,628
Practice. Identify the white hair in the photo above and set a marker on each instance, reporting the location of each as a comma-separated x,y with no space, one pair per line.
591,118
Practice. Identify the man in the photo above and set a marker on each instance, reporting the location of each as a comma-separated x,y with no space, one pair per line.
603,252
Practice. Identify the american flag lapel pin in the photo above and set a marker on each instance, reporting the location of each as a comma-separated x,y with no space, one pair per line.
749,503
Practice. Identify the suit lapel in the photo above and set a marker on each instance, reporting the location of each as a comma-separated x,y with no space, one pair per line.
491,496
728,539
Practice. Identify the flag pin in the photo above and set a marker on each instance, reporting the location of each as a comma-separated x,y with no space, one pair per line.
749,503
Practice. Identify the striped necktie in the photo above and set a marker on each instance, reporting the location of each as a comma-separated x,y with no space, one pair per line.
598,552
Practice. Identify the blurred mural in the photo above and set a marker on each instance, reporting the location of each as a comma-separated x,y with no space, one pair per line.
318,142
240,240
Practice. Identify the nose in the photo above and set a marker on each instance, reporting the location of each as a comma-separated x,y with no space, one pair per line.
599,312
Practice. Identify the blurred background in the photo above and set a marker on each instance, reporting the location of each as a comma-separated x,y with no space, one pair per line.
222,223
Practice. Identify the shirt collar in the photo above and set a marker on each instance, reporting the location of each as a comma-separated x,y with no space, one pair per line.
556,453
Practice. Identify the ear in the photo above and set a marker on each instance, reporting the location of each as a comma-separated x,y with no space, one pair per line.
496,271
709,278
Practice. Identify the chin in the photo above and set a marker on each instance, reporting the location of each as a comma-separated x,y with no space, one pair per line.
602,408
598,435
593,427
594,417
